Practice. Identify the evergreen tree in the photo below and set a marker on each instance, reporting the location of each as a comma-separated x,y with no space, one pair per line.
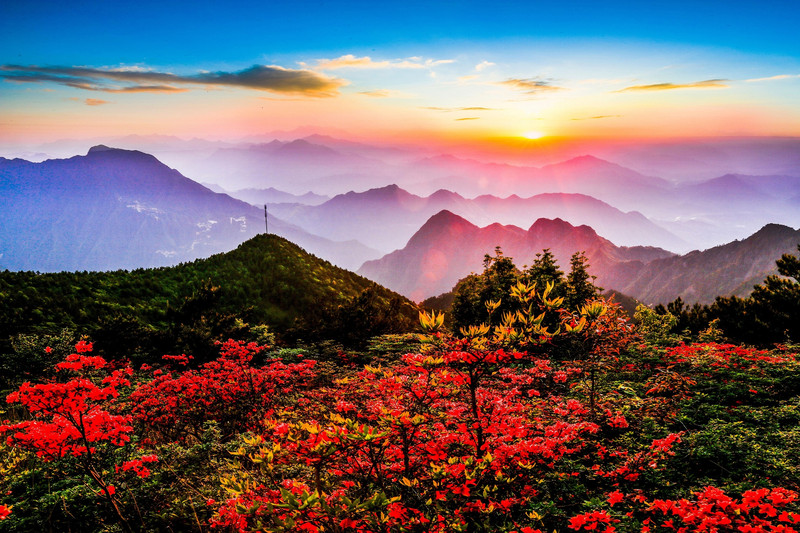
494,285
545,270
467,306
580,284
772,312
777,302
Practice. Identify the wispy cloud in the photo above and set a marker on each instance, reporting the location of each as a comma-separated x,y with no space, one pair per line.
596,117
451,109
95,101
468,118
774,78
529,85
380,93
270,78
348,61
483,65
366,62
385,93
706,84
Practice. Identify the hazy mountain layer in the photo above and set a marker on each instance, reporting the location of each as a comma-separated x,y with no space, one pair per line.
722,190
449,247
387,217
114,209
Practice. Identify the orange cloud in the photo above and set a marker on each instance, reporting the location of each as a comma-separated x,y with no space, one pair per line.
596,117
773,78
350,61
449,109
386,93
95,101
707,84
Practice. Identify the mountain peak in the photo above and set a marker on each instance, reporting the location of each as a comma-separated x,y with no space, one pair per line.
773,231
446,218
547,224
559,229
100,148
378,193
301,147
583,161
443,224
587,158
445,194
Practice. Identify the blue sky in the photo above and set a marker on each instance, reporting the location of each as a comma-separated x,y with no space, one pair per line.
201,31
737,61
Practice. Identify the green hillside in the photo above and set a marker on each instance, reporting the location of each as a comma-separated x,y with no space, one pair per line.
266,280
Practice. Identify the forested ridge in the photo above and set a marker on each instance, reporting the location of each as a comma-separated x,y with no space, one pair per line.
266,280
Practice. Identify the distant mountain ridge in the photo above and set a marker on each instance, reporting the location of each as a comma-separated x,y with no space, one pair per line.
753,182
448,247
287,165
728,270
116,208
386,217
271,195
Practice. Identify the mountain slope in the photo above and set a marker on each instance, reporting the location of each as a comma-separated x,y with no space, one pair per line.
269,278
448,247
727,270
116,208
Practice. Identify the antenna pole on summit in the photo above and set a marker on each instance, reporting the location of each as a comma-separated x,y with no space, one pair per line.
266,220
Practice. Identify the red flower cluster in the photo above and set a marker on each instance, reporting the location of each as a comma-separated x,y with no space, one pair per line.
71,417
759,511
138,465
238,396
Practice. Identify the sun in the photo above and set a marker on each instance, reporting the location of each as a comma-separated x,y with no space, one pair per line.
533,135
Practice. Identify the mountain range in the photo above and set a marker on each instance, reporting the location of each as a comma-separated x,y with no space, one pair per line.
448,247
692,208
115,208
687,187
385,218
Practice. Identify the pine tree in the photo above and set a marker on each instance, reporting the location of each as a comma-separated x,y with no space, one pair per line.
545,270
777,301
580,284
472,292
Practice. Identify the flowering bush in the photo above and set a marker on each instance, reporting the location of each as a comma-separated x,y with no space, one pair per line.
175,405
466,434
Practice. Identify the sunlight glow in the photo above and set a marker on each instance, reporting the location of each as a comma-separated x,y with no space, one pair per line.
533,135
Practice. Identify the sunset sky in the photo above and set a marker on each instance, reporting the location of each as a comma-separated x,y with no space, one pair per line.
399,71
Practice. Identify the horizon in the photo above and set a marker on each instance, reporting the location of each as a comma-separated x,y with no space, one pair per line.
516,79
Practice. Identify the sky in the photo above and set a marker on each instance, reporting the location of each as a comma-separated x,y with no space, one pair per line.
412,71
